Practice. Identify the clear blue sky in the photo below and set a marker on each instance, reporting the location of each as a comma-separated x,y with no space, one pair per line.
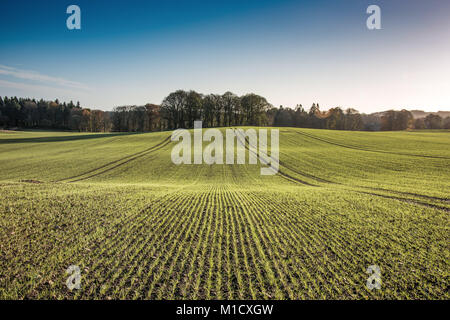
134,52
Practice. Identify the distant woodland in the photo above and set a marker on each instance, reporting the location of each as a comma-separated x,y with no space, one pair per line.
180,108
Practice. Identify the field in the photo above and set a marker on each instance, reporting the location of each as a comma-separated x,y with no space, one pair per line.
141,227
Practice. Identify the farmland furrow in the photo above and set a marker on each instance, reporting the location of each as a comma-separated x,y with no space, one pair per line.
375,189
135,224
189,238
165,141
123,163
201,215
165,267
366,149
253,241
116,248
240,257
281,228
407,200
168,227
145,256
219,261
280,172
215,245
257,222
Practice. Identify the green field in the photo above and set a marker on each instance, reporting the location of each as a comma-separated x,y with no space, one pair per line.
141,227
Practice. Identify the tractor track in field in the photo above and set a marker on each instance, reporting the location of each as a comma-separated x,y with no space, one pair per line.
293,179
372,188
284,175
127,159
408,200
412,201
367,150
365,187
409,194
158,211
280,172
307,175
123,163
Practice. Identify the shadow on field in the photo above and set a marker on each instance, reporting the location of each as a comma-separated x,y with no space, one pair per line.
66,138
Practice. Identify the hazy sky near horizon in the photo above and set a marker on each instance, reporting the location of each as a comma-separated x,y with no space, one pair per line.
291,52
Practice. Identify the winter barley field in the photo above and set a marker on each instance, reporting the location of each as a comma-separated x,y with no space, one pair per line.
140,227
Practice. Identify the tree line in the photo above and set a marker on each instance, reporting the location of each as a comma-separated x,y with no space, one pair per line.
30,113
181,108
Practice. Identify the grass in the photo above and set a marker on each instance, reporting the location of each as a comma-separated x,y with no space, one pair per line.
140,227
